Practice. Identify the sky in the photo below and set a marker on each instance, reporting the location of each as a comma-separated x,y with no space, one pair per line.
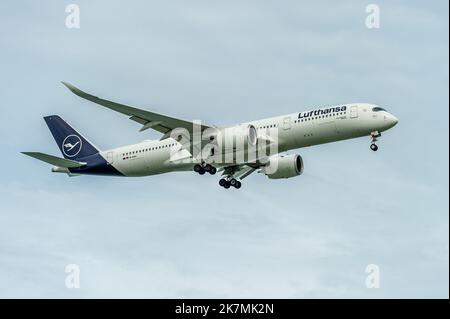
180,235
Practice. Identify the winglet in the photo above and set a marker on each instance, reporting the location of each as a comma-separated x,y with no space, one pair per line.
77,91
69,86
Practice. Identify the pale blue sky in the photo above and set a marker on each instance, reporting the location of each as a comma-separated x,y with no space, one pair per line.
225,62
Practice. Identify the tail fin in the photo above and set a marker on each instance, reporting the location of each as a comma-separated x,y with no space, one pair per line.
72,145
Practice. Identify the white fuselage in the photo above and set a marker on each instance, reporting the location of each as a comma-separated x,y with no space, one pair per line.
294,131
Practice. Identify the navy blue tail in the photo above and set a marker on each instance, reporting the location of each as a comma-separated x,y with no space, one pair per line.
72,144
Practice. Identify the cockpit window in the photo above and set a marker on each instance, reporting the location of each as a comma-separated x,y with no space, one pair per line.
378,109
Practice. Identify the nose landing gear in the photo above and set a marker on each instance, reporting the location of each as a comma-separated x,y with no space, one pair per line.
375,136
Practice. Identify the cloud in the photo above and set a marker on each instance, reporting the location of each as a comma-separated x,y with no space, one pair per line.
180,235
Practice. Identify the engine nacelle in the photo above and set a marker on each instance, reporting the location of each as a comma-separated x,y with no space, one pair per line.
284,166
235,137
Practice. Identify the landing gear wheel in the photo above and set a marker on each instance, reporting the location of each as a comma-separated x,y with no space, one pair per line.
227,185
213,170
238,185
233,182
197,168
222,182
202,171
375,135
208,167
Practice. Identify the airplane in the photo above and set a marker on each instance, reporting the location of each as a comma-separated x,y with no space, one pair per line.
236,151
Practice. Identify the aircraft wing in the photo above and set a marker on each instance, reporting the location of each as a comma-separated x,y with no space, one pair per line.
159,122
57,161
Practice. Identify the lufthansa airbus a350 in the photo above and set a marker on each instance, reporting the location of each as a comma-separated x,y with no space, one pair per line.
234,151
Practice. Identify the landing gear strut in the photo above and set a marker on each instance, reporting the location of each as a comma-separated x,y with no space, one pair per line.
375,136
227,183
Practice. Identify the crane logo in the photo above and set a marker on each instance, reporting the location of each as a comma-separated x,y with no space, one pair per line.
71,145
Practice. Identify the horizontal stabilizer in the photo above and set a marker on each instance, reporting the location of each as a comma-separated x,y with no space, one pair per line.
57,161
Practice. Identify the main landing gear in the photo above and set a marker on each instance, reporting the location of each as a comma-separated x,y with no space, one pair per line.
202,169
375,136
227,183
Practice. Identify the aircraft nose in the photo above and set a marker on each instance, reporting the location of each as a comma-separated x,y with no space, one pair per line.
392,120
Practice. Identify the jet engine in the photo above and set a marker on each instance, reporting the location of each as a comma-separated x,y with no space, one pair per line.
236,138
283,166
